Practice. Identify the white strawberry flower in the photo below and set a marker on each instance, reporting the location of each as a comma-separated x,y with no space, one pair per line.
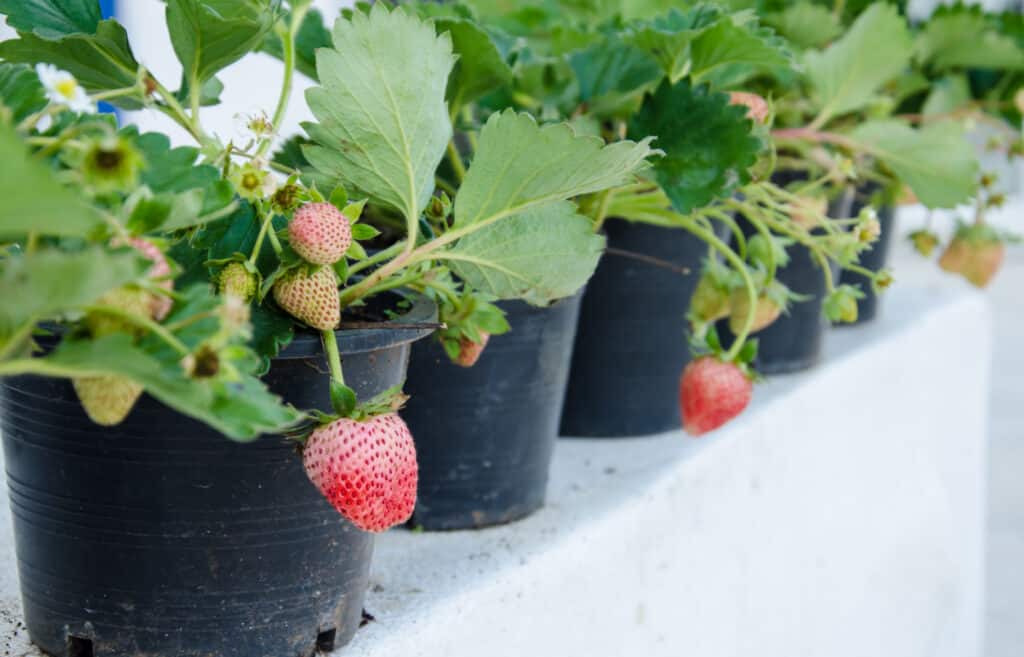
63,89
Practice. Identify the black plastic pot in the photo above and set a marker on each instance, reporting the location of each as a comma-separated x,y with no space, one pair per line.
631,344
485,435
874,259
162,538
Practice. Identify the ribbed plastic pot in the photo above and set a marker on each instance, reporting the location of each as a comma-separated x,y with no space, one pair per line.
160,537
485,435
632,344
875,259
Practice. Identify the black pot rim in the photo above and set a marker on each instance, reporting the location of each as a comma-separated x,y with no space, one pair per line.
307,344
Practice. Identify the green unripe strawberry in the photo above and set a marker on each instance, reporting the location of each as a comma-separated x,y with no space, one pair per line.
107,400
237,281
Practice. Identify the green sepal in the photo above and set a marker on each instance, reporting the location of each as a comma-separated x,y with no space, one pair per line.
343,399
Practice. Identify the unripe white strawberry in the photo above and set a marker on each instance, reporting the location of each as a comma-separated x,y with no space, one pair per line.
320,233
310,298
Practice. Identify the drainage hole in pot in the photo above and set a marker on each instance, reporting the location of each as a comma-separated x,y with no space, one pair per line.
78,647
324,641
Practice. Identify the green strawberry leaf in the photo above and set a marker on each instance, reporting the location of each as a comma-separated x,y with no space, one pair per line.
33,199
209,35
101,61
272,331
708,144
613,76
668,38
846,75
480,68
520,166
311,36
948,94
241,409
538,255
806,24
50,282
52,19
383,125
962,37
730,46
20,91
937,161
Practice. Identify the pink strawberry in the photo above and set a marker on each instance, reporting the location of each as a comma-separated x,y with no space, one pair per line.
712,392
469,351
366,469
310,298
320,233
757,107
159,305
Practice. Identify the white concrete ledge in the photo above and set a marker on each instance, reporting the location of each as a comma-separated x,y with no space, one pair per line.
841,516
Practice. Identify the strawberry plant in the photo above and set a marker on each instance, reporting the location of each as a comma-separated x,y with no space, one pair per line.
628,73
183,271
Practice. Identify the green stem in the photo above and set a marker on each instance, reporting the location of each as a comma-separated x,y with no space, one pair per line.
17,339
737,232
601,213
363,287
254,256
333,357
393,283
174,109
288,45
376,258
458,166
143,323
708,236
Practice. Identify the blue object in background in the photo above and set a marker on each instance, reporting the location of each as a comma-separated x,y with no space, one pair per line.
109,9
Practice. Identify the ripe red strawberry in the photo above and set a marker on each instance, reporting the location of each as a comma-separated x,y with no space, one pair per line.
757,107
311,298
160,305
711,393
320,233
469,351
366,469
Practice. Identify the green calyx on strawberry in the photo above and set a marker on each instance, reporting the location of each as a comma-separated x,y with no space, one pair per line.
239,279
925,242
711,300
976,253
761,252
469,322
714,389
841,306
365,463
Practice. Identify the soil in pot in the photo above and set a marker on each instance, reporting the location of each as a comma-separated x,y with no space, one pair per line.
160,537
632,343
875,259
485,435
